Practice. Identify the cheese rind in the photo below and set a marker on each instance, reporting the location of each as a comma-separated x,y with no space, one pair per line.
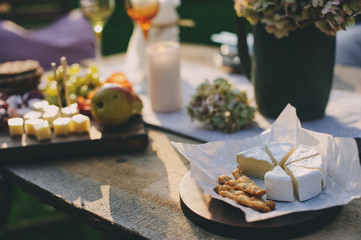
279,185
279,152
315,162
302,152
306,181
16,126
254,162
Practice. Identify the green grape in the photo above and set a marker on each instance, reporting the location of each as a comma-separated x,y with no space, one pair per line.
75,68
84,91
51,90
95,79
71,83
73,97
80,81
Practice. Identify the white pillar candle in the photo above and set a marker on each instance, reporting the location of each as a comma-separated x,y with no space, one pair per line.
164,83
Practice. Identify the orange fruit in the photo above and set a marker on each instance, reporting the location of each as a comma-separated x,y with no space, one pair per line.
121,79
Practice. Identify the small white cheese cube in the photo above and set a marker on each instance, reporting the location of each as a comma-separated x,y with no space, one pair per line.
43,131
306,182
32,114
279,152
63,126
70,111
15,126
81,123
279,185
50,117
30,125
39,105
51,108
254,162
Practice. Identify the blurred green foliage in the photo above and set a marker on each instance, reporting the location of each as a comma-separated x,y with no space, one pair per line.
209,16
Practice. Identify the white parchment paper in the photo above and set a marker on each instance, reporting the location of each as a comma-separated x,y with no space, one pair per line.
212,159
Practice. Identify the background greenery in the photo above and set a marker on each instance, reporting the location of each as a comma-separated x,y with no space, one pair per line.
31,219
209,16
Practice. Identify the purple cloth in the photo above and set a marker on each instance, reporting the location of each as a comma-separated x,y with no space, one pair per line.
71,36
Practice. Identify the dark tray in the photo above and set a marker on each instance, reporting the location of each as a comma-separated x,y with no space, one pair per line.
130,137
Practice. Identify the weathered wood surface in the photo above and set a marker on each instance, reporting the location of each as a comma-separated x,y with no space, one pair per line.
135,196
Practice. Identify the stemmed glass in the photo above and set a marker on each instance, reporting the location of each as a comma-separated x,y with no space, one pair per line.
141,12
98,12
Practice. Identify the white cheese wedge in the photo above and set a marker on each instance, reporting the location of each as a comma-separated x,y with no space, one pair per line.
63,126
315,162
16,126
306,181
42,131
81,123
279,152
279,185
254,162
302,152
30,125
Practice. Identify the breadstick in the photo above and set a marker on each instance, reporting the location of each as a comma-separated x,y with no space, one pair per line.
245,199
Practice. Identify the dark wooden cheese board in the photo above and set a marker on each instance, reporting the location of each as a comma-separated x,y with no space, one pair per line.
130,137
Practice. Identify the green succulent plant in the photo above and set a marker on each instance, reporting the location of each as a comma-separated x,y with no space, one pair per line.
282,16
220,106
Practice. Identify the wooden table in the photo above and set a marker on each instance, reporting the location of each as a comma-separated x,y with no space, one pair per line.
136,196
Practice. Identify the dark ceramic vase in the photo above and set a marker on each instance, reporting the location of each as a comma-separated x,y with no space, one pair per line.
297,69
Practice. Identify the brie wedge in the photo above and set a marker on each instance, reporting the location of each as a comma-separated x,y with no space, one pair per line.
279,185
302,152
314,162
254,162
306,181
279,152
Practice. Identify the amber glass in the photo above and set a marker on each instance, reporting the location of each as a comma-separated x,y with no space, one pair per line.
142,12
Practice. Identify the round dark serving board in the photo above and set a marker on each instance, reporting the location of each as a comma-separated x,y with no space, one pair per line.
221,218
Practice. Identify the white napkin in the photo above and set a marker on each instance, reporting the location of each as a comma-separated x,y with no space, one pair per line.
210,160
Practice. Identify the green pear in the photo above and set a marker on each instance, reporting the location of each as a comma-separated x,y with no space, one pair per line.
112,105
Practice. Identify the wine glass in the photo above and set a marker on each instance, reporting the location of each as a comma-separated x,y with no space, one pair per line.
98,12
142,12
